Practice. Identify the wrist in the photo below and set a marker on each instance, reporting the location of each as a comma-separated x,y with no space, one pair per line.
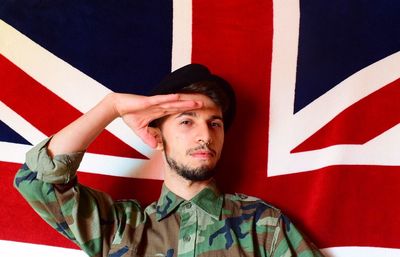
111,104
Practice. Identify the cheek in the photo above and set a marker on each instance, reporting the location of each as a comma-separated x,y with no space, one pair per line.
177,145
219,140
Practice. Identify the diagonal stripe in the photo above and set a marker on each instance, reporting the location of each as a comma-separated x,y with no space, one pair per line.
361,122
47,112
286,130
353,89
91,163
20,125
66,82
96,163
9,135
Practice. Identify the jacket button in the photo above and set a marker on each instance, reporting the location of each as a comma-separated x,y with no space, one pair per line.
186,238
242,196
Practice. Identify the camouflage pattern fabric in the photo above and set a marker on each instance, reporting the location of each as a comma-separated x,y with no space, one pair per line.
210,224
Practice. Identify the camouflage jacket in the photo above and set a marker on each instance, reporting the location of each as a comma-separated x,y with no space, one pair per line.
210,224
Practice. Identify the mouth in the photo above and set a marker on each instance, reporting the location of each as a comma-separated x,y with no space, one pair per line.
203,154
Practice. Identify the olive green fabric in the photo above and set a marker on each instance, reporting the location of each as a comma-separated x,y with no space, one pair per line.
210,224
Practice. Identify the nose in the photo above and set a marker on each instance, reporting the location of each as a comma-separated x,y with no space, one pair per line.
204,135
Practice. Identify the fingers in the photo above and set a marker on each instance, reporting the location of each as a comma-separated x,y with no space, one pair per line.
168,104
159,99
170,108
150,140
147,136
129,103
162,105
182,104
173,100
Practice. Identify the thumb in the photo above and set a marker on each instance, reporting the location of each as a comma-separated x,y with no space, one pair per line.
149,137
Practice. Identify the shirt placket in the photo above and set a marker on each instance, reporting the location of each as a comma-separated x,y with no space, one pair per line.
188,230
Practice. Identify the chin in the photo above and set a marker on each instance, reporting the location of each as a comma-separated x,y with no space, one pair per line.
204,167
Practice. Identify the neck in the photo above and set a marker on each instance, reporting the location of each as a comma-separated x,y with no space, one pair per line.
182,187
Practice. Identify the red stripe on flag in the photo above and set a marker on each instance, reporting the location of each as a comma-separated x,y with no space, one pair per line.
361,122
335,206
358,212
49,113
340,205
234,38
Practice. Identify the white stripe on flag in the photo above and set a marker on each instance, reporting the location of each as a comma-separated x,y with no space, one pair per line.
70,84
20,125
181,33
91,163
356,251
96,163
17,249
287,129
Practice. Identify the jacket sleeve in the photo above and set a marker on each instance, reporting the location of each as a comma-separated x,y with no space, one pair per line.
88,217
289,241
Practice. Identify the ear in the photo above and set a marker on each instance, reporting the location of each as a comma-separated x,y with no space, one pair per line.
156,133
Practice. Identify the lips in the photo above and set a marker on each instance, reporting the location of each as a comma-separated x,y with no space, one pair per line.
203,154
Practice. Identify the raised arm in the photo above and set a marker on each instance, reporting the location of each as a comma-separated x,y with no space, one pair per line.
137,112
49,183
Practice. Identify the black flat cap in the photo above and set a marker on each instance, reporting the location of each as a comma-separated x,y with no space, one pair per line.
193,73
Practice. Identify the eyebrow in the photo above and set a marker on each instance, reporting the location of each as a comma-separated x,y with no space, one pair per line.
194,114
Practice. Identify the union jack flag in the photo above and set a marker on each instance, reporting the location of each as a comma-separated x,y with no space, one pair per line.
316,132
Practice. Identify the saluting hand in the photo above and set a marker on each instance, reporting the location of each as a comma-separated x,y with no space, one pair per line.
138,111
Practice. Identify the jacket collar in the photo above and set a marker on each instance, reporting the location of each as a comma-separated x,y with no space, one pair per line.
209,200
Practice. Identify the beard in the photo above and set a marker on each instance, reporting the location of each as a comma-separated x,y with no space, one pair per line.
201,173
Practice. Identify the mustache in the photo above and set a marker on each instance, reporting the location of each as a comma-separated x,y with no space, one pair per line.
202,147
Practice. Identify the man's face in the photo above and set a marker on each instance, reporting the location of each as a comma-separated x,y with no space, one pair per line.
193,140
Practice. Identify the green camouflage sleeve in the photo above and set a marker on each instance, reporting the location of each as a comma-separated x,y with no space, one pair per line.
289,241
87,217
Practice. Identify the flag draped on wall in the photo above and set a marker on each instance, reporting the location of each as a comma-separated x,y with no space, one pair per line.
318,90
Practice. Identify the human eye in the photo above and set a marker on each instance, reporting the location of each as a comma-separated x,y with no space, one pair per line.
185,122
216,124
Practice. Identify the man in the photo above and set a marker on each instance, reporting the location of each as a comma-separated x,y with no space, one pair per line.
191,217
